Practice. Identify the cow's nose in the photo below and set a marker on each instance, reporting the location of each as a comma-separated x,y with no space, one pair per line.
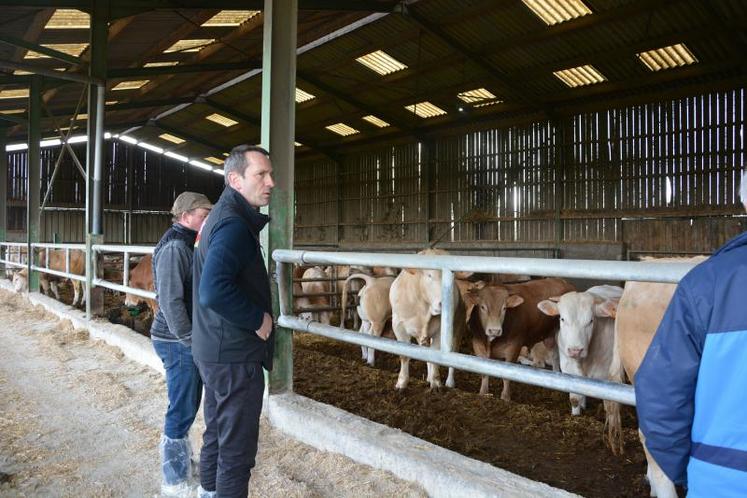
575,352
424,341
436,309
495,332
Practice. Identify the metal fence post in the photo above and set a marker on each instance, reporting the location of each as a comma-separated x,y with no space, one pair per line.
447,310
34,179
278,125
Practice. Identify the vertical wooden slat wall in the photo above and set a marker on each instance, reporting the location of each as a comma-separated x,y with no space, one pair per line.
659,177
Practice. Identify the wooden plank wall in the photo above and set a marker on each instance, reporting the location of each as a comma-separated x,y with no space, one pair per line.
657,177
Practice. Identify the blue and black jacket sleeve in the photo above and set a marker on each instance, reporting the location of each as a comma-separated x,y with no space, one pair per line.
665,385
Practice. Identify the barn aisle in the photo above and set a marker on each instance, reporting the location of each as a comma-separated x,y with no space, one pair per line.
79,419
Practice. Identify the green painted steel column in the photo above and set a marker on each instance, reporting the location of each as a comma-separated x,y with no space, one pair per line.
278,125
33,186
95,152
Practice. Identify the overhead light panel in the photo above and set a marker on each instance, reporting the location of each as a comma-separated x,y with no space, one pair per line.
230,18
342,129
130,85
77,139
556,11
68,19
201,165
150,147
425,109
214,160
381,62
375,121
74,49
298,144
161,64
221,120
171,138
178,157
12,111
20,93
128,139
219,171
189,45
302,96
479,97
667,57
50,142
580,76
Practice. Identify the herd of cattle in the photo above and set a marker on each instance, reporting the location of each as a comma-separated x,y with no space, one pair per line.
601,333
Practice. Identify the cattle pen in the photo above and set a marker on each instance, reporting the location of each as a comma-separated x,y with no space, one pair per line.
578,140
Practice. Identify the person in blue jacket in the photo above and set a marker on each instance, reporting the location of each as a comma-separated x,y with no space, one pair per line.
232,325
691,388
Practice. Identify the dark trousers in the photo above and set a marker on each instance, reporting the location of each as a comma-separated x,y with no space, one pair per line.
183,385
233,403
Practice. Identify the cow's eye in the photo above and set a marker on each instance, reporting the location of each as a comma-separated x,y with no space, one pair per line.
483,307
561,319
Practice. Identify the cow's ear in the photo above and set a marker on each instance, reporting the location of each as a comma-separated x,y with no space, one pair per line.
411,271
548,307
606,309
470,305
463,275
514,300
478,285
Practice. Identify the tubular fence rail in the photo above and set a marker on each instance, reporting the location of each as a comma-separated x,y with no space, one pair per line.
608,270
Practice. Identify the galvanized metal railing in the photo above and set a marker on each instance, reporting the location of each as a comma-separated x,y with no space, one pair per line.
568,268
7,251
127,251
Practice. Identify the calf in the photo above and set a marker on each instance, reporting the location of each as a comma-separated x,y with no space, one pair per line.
141,277
416,301
508,319
587,333
57,263
374,307
317,295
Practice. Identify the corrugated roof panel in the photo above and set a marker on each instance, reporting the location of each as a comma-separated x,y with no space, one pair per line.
557,11
342,129
68,19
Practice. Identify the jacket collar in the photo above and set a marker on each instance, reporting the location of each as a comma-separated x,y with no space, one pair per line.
256,220
738,241
182,229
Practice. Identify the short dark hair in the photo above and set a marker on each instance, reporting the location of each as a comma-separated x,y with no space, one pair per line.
236,160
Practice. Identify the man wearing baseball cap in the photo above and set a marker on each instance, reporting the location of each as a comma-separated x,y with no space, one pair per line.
171,333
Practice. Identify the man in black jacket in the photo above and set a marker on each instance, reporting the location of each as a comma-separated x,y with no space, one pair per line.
232,323
171,333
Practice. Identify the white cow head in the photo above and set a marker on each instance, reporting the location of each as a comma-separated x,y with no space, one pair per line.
577,311
491,303
20,281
